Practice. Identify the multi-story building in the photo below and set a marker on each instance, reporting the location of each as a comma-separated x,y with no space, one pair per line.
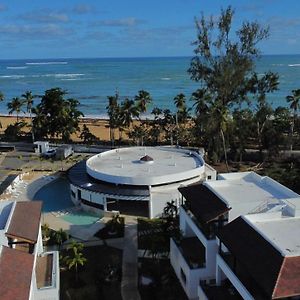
209,207
26,271
258,258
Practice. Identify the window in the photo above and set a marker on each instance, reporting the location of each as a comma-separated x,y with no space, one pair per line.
183,277
92,204
79,194
73,194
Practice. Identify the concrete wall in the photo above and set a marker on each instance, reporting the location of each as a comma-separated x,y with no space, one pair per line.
193,276
222,267
51,292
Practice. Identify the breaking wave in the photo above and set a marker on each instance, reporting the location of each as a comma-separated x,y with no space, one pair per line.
17,68
48,63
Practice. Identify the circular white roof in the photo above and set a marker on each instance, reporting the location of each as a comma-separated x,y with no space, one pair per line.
124,165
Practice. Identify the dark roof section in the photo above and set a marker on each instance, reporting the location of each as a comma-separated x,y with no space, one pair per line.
203,203
15,273
25,221
7,182
146,158
78,176
278,276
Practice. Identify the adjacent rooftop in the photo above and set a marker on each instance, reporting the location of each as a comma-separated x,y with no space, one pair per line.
248,192
15,273
275,274
25,221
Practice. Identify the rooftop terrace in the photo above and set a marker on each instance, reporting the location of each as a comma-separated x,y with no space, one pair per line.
159,165
282,232
248,192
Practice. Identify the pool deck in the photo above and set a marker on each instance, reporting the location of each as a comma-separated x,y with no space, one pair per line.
27,188
81,232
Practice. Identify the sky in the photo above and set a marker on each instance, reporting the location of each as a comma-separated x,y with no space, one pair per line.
132,28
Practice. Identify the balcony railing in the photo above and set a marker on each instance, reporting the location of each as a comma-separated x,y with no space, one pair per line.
192,251
206,229
243,275
225,291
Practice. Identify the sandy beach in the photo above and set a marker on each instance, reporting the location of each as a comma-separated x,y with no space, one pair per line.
98,127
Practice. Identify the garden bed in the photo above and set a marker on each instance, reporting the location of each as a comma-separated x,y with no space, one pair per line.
105,233
161,279
93,279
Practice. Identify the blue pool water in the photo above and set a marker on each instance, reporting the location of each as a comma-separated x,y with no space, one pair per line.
80,218
55,195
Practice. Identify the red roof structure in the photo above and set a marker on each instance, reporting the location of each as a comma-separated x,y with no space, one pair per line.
15,273
25,221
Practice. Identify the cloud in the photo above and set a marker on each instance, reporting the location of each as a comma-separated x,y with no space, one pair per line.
45,16
99,35
82,9
34,32
158,33
125,22
251,8
277,22
2,7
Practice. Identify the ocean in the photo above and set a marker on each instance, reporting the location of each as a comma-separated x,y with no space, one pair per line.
91,80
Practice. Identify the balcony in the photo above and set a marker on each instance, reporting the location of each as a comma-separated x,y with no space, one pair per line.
225,291
243,276
47,274
206,229
193,252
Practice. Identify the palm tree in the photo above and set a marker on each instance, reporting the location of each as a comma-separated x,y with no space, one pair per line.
179,102
143,99
28,100
1,99
294,101
127,112
15,106
75,244
76,258
46,231
113,110
60,236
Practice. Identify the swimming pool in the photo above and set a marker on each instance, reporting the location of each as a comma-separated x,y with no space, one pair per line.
55,195
80,218
56,198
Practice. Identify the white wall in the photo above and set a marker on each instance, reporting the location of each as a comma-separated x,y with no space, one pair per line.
193,276
189,229
223,267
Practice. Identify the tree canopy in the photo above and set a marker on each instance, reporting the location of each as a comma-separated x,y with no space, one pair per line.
56,116
224,65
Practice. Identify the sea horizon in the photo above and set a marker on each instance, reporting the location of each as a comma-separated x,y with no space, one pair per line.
91,80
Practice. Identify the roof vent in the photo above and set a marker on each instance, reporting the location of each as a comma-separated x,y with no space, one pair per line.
146,159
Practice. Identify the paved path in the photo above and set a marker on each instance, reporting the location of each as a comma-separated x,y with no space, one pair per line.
129,284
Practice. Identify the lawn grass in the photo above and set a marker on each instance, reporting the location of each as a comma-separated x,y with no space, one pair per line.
90,284
165,284
105,234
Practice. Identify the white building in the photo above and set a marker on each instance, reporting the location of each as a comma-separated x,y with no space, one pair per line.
258,258
26,271
208,208
136,180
